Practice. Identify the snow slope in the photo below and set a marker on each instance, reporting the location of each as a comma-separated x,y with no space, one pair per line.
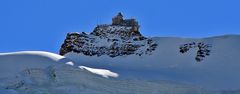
103,72
36,72
12,63
219,71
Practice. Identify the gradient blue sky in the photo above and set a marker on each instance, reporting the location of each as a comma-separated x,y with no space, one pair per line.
43,24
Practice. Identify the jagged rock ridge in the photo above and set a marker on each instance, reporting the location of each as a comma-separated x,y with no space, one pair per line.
122,37
203,49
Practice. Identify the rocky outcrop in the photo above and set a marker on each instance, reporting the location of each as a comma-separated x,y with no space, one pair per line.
203,49
116,39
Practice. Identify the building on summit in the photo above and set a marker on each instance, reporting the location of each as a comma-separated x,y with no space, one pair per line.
119,20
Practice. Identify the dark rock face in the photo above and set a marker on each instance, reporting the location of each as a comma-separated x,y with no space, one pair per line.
107,44
112,40
203,49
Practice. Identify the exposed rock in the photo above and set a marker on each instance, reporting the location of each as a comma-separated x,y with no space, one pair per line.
117,39
203,49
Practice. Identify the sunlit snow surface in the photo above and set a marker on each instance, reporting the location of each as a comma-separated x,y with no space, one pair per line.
219,71
166,71
35,72
103,72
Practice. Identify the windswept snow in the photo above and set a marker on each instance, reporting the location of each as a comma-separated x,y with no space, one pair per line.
103,72
13,63
35,72
4,91
219,71
70,63
35,53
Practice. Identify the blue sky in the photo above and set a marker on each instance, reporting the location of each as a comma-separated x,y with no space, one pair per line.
43,24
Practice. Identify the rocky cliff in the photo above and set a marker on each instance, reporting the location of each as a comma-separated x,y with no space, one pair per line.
116,39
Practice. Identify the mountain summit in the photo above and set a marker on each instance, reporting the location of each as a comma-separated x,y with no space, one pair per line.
122,37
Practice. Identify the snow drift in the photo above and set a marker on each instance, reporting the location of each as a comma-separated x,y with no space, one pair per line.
218,71
35,72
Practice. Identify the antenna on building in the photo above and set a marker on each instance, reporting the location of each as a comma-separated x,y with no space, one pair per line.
97,20
100,20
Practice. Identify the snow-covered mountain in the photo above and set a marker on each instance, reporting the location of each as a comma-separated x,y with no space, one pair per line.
116,39
35,72
218,70
117,59
211,63
165,71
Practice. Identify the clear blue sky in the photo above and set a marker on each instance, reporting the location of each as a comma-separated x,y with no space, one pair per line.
43,24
